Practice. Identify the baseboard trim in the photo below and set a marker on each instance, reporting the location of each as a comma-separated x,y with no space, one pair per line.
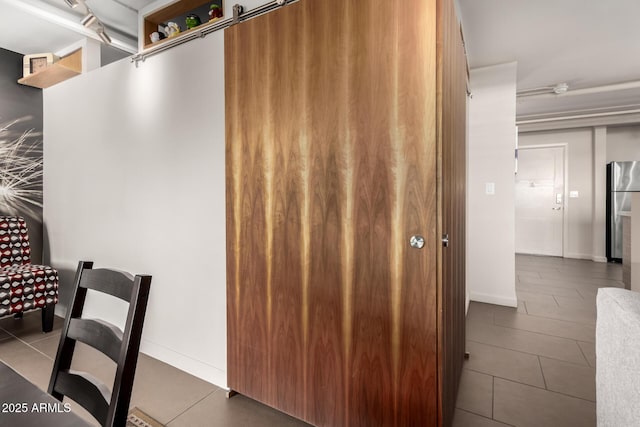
466,303
534,253
579,256
590,257
60,310
185,363
494,299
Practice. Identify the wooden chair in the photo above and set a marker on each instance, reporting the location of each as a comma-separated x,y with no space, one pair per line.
109,407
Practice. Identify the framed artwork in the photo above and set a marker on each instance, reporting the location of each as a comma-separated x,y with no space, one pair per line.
37,62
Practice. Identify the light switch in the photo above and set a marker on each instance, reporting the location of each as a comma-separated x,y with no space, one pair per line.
490,188
574,194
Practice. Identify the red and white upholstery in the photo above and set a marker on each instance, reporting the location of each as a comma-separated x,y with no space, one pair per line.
23,286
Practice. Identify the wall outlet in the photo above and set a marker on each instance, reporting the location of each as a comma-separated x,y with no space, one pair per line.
574,194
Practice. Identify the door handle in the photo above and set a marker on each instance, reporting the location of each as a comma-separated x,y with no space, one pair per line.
416,241
557,209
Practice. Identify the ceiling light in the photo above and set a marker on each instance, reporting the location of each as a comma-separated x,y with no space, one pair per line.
72,3
560,88
104,36
88,20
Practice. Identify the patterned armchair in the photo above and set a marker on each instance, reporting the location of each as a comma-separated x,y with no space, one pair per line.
24,286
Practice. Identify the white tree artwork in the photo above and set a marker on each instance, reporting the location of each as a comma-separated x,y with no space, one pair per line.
20,170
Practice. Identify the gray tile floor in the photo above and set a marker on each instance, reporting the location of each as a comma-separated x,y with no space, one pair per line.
530,366
171,396
535,365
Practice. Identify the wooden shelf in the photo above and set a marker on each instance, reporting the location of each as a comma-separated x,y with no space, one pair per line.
65,68
175,12
200,27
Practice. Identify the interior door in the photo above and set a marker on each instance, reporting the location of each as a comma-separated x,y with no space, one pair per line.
540,201
331,168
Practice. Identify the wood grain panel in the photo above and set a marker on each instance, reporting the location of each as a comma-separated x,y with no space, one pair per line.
372,389
452,79
417,112
331,167
246,189
285,67
324,33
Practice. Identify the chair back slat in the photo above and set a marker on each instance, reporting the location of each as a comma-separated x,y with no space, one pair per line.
121,346
109,282
102,336
86,390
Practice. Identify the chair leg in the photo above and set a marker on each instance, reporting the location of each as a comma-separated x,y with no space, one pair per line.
47,317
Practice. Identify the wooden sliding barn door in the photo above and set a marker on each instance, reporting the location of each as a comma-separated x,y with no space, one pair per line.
331,168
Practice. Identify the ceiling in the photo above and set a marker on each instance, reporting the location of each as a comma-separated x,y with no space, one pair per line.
584,43
35,26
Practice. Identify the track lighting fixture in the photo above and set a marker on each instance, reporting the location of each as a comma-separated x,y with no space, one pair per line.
559,89
89,20
104,36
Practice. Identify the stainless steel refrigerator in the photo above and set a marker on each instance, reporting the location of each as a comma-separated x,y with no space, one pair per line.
622,179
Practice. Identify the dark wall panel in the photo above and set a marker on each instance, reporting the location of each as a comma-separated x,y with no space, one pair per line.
21,149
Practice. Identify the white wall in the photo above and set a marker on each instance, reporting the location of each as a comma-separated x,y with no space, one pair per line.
623,144
134,180
578,211
491,218
589,150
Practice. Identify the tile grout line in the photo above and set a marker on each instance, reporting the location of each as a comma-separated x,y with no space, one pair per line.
544,380
547,390
584,355
189,407
528,385
563,320
510,379
527,331
536,332
570,281
532,354
482,416
535,316
493,396
580,293
30,346
555,285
